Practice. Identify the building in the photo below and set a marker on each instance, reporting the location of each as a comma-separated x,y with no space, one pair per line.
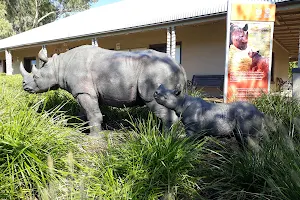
192,31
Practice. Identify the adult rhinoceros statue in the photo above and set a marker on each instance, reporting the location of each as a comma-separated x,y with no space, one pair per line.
97,76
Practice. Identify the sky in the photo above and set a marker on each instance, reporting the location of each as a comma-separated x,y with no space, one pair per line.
97,4
103,2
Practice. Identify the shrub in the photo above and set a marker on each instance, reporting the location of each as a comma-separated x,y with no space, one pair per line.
29,139
269,172
153,163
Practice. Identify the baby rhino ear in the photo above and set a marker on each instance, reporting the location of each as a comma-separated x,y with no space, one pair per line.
177,90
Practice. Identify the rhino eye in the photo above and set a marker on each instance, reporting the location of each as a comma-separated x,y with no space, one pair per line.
35,77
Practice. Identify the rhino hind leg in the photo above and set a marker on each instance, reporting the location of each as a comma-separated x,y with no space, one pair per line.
168,116
93,114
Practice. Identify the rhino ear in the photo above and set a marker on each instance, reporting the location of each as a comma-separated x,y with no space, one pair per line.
245,28
177,90
34,70
42,56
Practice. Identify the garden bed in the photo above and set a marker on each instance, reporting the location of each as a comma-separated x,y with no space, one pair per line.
46,155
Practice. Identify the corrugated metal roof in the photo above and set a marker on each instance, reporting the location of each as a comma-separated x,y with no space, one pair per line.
117,16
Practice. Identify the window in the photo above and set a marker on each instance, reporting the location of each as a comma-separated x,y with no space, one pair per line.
178,53
28,62
163,48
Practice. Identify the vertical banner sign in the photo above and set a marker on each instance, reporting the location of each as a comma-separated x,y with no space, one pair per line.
250,27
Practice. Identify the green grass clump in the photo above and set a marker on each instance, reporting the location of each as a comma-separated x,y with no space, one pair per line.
28,139
154,163
271,170
44,153
43,156
285,111
271,173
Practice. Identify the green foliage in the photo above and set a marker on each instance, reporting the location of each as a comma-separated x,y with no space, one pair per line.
284,111
117,118
269,170
291,66
155,163
22,14
196,92
28,140
41,155
6,29
44,153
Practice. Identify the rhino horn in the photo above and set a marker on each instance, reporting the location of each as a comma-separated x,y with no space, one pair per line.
42,56
34,69
22,69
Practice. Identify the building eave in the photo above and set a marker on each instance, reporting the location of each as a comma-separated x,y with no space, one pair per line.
141,28
67,29
123,16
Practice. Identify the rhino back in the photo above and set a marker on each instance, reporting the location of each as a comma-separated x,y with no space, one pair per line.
118,78
74,70
158,68
214,119
115,75
248,116
98,72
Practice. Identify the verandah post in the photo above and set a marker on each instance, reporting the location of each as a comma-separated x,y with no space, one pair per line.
173,42
8,58
168,41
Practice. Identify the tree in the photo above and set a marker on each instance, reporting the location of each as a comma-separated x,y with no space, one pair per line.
6,29
24,15
291,66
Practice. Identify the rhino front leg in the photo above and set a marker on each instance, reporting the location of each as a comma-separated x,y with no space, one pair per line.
166,115
82,114
94,116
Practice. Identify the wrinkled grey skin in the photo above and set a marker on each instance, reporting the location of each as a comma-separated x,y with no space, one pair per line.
241,119
97,76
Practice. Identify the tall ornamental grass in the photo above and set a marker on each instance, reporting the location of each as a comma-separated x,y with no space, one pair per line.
45,154
269,172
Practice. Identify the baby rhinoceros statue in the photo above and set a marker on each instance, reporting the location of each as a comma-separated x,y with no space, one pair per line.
239,119
97,76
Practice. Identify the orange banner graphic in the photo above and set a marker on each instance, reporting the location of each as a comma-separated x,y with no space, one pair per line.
249,51
253,12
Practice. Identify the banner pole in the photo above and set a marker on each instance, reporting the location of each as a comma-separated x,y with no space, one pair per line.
225,89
